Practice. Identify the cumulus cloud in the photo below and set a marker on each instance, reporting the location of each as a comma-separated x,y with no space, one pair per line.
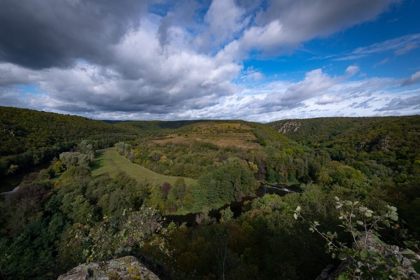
315,83
319,92
44,33
181,16
286,24
105,59
11,74
413,79
143,77
316,92
225,19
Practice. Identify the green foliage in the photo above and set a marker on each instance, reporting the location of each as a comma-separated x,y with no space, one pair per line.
92,204
70,159
124,149
30,137
335,173
226,215
24,129
51,224
265,242
231,181
366,256
112,163
385,150
111,237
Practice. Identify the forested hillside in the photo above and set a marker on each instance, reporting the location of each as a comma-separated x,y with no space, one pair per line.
215,199
29,138
386,150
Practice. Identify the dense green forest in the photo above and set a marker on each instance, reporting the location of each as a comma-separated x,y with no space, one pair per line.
386,150
29,138
212,199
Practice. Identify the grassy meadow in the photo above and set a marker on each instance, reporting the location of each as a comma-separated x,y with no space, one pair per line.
111,162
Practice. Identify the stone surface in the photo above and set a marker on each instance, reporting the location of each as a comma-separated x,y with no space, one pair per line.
122,269
290,126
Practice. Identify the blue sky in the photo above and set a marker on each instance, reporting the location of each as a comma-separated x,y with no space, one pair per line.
397,21
224,59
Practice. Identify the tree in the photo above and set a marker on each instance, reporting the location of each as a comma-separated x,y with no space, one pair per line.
165,188
226,215
70,159
231,181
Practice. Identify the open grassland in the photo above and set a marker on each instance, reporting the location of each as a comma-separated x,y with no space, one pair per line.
222,135
112,163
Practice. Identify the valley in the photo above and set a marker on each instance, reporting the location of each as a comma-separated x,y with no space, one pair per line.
178,195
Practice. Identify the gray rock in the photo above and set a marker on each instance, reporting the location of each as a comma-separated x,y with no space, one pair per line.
122,269
290,126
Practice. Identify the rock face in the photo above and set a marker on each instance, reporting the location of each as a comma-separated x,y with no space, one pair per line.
122,269
288,127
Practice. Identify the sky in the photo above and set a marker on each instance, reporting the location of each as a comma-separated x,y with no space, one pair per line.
256,60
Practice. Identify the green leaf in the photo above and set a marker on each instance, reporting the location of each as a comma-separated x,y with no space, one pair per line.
342,277
364,254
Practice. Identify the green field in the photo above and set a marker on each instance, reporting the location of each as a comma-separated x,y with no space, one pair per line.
111,162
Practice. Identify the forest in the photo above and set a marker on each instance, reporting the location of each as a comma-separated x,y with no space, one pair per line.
291,199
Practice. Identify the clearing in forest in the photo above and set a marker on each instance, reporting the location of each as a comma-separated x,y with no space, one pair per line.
221,134
112,163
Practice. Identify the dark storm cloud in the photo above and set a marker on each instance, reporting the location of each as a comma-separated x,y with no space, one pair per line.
44,33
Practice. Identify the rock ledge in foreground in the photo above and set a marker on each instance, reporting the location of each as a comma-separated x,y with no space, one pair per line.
123,269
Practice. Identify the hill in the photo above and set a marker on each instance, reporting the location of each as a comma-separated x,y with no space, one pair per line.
385,149
191,149
29,138
389,141
364,129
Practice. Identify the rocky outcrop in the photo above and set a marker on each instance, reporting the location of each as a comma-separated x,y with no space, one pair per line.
122,269
289,126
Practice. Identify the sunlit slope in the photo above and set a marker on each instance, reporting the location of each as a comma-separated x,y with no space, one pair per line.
112,163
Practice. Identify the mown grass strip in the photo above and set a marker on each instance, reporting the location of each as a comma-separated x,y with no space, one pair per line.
112,163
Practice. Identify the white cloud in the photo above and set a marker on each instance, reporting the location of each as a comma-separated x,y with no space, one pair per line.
286,24
98,93
144,76
352,70
225,19
318,94
397,46
175,66
413,79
